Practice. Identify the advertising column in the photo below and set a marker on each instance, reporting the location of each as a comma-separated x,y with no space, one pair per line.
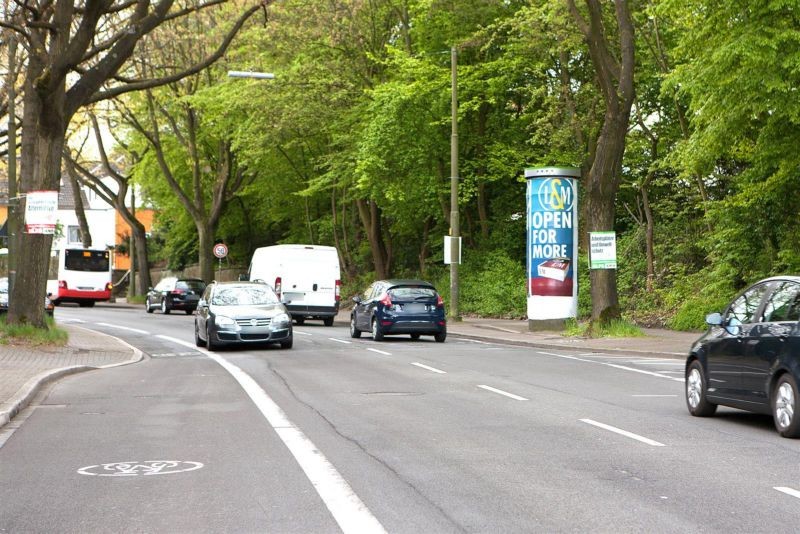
552,198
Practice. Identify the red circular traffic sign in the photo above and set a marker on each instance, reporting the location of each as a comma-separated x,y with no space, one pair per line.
220,250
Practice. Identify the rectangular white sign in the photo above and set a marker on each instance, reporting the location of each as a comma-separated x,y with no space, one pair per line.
602,250
41,209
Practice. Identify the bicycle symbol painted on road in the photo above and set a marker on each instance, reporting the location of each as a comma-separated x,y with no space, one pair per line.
134,469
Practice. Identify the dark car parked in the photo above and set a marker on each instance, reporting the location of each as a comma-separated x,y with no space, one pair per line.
173,293
389,307
750,356
241,312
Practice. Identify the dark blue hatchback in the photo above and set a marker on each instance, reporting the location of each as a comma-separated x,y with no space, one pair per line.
391,307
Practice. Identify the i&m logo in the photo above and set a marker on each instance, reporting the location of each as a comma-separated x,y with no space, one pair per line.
556,194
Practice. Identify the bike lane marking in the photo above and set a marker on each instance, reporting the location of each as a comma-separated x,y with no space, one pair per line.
347,509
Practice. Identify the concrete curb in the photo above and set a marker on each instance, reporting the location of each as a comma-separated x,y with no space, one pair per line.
32,387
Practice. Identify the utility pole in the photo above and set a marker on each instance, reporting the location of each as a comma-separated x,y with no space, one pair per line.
455,249
12,226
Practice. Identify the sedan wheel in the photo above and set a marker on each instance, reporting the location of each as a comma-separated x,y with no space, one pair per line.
147,307
696,400
377,335
354,331
784,403
212,345
197,339
164,308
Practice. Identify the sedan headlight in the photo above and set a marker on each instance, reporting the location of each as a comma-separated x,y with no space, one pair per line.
281,318
221,320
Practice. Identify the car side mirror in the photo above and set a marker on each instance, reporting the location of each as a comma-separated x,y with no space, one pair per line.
714,319
357,299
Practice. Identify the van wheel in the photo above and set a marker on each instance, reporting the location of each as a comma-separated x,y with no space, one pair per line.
377,335
300,320
328,321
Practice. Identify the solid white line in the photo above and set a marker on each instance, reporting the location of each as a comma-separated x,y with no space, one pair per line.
653,395
59,320
615,366
788,491
347,509
501,392
473,341
623,433
340,340
434,369
381,352
124,328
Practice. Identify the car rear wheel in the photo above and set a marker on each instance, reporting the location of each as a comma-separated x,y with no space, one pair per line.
197,339
377,335
328,321
164,307
147,306
189,311
696,387
784,404
354,331
300,320
440,337
414,336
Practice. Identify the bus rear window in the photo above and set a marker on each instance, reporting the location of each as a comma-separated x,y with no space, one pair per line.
86,260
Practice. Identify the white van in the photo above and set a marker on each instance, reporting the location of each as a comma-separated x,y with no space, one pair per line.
306,278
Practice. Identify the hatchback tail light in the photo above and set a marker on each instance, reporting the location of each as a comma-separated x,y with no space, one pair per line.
277,287
439,301
386,300
178,291
62,284
338,290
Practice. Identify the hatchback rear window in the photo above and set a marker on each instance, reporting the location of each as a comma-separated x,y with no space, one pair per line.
412,293
193,285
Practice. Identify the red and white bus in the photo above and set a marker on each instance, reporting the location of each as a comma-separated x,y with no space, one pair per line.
79,275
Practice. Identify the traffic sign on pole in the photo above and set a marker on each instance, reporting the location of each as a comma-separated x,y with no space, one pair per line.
220,250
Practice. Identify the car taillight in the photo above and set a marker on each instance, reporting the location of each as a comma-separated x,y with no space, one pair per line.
386,300
439,301
62,284
338,290
278,287
178,291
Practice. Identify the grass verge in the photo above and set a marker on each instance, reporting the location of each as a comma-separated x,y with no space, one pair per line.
32,336
617,328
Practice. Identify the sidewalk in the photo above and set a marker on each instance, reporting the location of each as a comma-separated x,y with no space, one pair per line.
25,370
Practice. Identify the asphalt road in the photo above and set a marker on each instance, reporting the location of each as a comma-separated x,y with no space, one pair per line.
404,436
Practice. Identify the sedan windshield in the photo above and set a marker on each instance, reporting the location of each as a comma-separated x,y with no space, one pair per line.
244,296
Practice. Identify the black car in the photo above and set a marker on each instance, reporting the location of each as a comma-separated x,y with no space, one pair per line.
750,356
174,293
389,307
239,313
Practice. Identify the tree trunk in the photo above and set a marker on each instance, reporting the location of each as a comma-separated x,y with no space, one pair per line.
370,219
80,211
424,249
205,253
615,81
649,238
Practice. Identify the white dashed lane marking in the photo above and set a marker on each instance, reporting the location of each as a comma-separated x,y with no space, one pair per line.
501,392
434,369
625,433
